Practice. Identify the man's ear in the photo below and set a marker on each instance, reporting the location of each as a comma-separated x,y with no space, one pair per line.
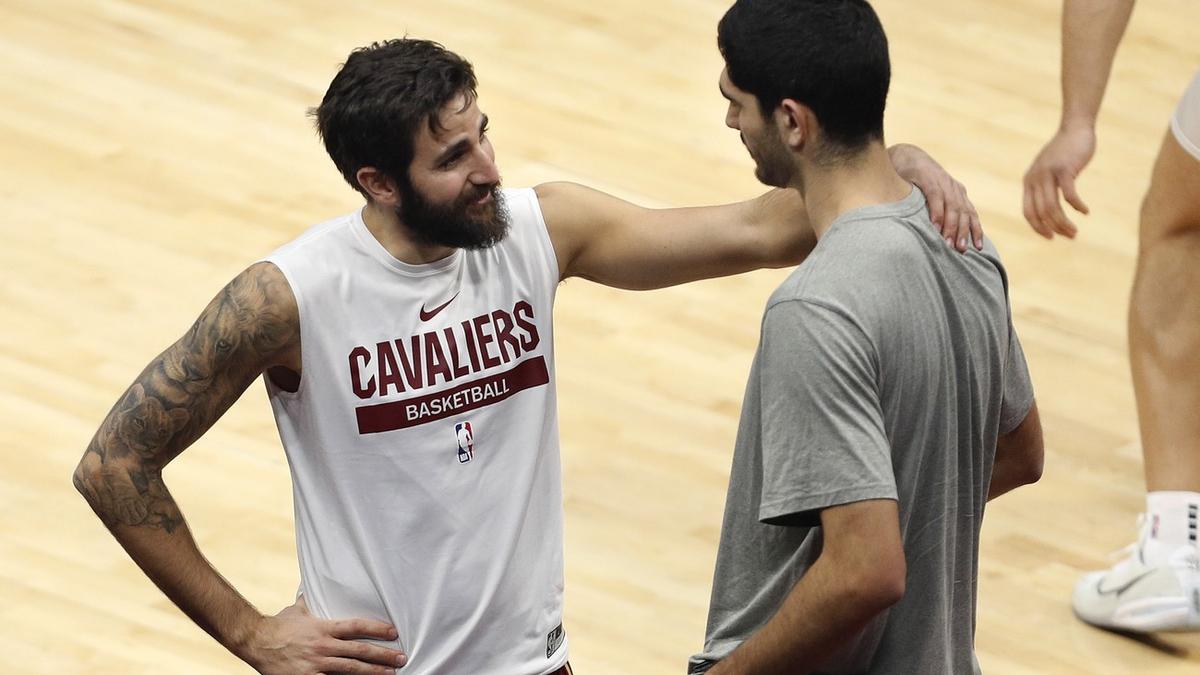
379,186
795,122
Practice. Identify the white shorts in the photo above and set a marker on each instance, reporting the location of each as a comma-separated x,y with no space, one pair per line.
1185,123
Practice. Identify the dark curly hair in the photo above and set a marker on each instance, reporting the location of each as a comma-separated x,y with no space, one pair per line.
371,112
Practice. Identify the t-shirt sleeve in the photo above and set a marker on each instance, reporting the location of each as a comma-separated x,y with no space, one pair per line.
823,437
1018,387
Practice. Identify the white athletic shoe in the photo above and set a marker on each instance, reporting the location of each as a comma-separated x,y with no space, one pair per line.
1140,597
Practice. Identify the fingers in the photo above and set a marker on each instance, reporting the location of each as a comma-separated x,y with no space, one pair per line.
960,224
1041,218
967,219
1054,213
364,654
362,628
937,210
961,237
1073,198
1030,212
1042,207
971,231
976,229
949,210
336,666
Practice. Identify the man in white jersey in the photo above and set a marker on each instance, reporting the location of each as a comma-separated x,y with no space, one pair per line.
1157,586
408,353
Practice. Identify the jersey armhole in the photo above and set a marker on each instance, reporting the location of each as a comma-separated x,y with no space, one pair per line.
272,388
547,246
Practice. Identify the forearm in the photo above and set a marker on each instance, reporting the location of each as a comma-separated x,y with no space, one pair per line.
904,157
1091,31
820,615
782,221
133,502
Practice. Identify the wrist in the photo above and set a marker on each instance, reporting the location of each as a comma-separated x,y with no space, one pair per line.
1077,122
241,640
900,151
904,156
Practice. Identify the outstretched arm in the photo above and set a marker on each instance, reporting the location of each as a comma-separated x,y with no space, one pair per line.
608,240
251,325
613,242
1091,31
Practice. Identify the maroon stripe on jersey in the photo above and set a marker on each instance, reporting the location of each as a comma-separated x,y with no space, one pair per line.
373,419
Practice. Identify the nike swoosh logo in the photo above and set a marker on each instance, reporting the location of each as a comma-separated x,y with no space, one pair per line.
427,315
1123,587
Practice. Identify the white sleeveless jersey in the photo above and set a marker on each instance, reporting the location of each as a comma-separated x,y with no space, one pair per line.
423,444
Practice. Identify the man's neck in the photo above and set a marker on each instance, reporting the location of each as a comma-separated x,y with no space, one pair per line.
831,191
391,233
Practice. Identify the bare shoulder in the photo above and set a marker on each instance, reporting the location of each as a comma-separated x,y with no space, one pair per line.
560,205
577,216
262,294
556,190
560,200
253,321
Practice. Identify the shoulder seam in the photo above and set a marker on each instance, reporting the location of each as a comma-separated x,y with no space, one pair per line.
832,310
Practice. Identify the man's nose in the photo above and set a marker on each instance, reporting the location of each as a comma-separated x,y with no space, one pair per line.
486,173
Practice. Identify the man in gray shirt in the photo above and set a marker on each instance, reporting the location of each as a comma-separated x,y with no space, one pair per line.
889,397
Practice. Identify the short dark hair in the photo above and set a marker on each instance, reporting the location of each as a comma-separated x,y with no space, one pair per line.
830,55
382,93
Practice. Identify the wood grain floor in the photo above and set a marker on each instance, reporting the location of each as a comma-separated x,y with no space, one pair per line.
151,149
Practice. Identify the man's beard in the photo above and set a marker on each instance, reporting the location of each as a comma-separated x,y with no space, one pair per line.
459,224
770,174
773,168
772,165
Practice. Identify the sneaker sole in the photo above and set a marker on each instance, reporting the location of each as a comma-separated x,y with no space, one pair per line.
1152,615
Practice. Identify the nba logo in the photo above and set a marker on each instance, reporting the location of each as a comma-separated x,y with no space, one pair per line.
466,442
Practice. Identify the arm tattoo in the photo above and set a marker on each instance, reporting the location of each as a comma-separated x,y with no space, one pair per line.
250,323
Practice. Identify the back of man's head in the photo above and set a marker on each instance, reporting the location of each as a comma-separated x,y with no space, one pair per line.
829,55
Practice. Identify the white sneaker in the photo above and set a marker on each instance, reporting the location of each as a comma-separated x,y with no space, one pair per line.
1140,597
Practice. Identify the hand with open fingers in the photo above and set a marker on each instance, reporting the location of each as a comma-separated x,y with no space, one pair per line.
1053,172
949,207
294,642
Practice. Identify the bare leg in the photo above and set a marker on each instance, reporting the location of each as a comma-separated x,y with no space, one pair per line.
1157,586
1164,322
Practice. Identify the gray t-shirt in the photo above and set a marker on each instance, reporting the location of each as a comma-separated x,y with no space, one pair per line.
887,368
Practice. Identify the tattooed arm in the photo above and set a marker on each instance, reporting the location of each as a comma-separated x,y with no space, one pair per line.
251,326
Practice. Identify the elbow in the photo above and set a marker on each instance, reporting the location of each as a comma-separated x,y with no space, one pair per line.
87,478
1033,469
882,586
81,477
1027,448
889,588
1033,461
790,255
787,248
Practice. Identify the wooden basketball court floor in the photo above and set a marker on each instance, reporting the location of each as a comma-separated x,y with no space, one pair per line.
151,149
